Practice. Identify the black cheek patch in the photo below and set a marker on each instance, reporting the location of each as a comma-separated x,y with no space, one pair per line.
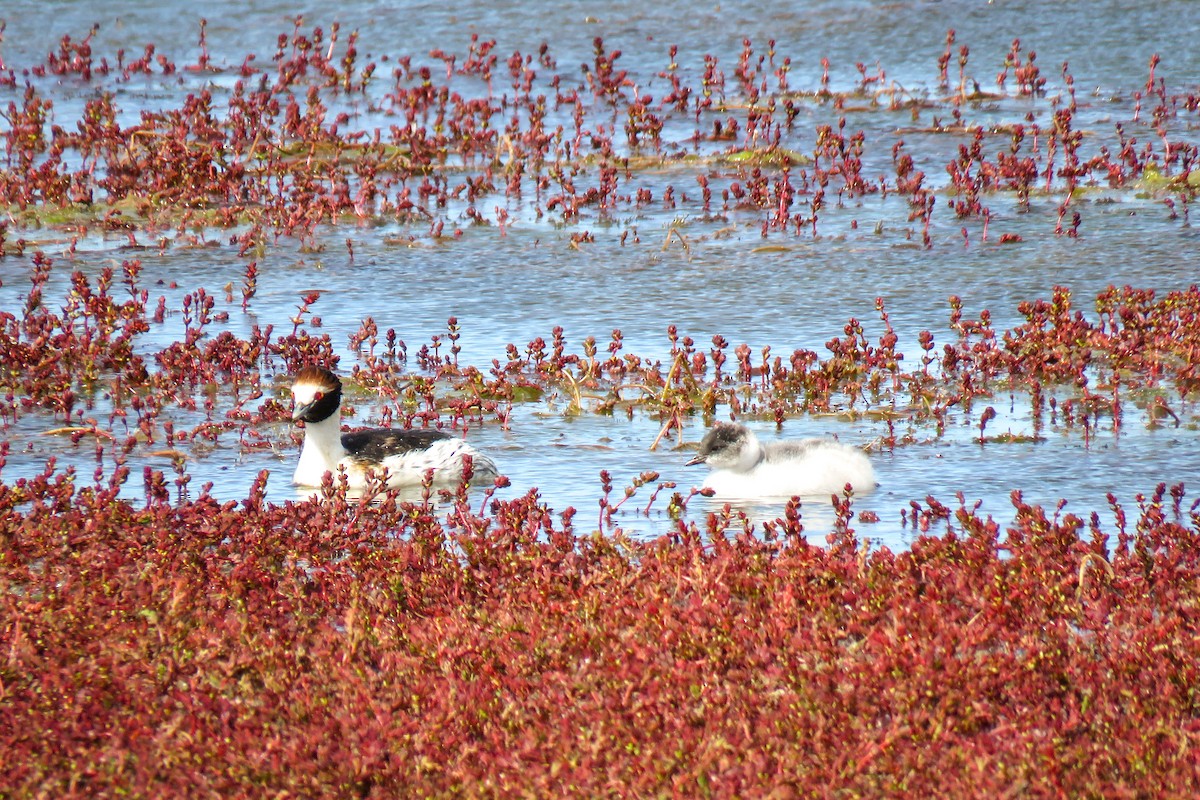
323,406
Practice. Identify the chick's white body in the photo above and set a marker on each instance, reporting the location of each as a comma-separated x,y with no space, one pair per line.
405,456
745,468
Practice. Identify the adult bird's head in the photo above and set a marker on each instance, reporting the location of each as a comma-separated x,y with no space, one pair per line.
317,394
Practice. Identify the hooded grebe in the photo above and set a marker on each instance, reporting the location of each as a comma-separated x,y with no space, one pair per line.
406,455
745,468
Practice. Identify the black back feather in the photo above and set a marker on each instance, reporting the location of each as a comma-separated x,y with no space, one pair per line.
379,443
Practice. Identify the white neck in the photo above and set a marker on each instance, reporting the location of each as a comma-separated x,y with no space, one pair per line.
751,454
322,450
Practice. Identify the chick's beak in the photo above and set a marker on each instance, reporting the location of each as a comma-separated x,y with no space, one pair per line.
694,460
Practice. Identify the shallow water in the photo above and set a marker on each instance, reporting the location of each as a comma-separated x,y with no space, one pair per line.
787,291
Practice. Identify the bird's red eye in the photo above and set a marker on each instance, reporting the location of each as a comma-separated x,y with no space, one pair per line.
318,395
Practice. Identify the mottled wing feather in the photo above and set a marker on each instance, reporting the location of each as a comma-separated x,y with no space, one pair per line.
373,446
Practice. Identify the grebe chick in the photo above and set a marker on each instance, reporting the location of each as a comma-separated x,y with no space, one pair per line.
745,468
406,455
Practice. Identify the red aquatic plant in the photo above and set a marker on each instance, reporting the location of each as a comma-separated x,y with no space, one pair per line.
385,646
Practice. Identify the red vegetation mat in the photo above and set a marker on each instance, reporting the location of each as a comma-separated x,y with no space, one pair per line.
311,134
341,648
